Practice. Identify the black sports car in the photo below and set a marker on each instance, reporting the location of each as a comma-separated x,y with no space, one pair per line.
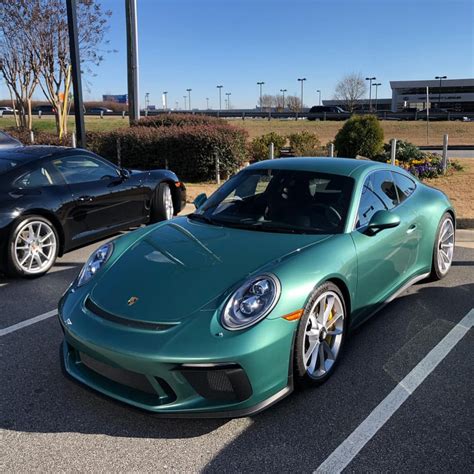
54,199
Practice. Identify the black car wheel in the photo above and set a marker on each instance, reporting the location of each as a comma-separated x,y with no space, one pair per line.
32,247
162,207
320,335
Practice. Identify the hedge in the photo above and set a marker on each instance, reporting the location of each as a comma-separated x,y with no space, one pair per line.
179,120
188,151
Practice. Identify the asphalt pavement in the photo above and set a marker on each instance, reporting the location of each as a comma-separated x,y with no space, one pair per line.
49,423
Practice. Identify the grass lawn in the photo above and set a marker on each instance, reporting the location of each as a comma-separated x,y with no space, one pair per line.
458,186
460,133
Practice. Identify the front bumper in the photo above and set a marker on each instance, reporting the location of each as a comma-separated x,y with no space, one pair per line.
184,371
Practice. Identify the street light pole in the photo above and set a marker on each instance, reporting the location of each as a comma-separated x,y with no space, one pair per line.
370,79
302,79
165,101
319,92
439,92
76,72
147,100
185,106
228,94
189,97
207,103
376,85
132,60
260,84
283,92
220,102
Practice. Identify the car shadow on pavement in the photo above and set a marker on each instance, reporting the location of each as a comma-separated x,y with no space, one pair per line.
301,431
36,397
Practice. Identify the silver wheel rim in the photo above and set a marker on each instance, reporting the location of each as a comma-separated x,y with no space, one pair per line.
323,334
445,246
168,200
35,247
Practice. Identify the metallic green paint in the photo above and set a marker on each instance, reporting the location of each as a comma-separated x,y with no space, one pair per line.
182,271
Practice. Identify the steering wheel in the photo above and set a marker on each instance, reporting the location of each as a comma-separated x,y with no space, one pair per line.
334,217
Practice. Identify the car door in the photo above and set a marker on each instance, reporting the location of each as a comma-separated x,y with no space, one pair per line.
384,258
103,199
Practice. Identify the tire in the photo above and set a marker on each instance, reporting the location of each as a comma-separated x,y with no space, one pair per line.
443,248
32,247
308,370
162,208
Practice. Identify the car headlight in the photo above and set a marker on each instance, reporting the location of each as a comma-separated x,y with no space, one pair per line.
94,264
251,302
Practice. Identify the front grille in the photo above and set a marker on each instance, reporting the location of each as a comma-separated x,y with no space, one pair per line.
122,376
228,383
102,313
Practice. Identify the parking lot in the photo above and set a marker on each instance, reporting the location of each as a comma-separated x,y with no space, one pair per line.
50,423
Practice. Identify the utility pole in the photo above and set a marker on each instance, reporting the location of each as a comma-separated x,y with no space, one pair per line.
189,97
260,84
132,59
319,92
283,93
302,81
76,72
220,101
439,91
376,85
370,79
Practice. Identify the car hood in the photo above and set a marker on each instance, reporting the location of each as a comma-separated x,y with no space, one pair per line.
182,266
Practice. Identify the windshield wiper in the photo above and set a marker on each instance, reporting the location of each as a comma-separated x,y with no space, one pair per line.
202,217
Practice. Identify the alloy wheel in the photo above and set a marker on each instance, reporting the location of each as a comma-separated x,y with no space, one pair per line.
445,246
323,334
168,201
35,247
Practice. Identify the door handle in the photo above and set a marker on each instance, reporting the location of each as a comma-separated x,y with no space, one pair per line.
85,198
411,228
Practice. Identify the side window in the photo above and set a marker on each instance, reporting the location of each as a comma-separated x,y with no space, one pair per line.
83,169
385,188
405,186
378,193
34,179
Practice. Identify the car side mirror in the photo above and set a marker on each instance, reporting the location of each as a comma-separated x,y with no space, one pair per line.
124,173
383,220
200,200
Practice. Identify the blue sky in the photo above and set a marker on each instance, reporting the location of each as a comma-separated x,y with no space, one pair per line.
201,43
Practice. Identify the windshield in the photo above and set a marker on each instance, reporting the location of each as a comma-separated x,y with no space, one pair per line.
286,201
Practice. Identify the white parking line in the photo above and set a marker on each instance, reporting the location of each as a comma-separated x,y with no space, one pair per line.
28,322
352,445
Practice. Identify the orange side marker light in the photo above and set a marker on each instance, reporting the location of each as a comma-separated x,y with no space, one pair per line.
294,315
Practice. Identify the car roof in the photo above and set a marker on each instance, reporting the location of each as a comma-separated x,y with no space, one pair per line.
340,166
25,154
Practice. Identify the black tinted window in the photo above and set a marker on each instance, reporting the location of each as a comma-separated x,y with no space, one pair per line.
405,186
378,194
37,178
6,165
82,169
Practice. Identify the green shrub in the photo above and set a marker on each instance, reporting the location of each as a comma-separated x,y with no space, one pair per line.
178,120
259,146
305,144
405,152
360,135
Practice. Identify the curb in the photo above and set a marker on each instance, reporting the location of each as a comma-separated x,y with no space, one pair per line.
465,223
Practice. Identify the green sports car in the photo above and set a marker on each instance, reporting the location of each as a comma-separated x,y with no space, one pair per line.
224,311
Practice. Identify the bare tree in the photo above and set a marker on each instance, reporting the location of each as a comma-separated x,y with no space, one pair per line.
268,101
47,33
18,64
293,103
350,89
279,104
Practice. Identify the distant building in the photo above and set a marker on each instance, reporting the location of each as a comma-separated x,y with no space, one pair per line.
456,95
381,105
119,99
